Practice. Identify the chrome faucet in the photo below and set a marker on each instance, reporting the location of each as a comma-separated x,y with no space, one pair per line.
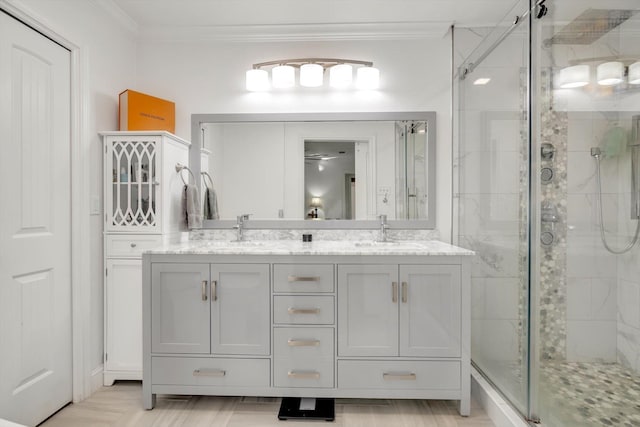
383,228
239,227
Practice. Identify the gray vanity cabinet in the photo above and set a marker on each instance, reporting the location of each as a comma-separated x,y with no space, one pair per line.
210,308
399,310
342,326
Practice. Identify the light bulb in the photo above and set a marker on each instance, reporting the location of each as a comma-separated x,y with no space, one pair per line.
257,80
311,75
283,76
340,76
610,73
368,78
572,77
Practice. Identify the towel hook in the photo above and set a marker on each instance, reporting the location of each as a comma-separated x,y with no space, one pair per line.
180,168
206,175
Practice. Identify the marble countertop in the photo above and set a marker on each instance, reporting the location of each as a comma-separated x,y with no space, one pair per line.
320,247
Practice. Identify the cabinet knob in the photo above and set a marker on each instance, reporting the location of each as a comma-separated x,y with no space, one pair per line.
133,245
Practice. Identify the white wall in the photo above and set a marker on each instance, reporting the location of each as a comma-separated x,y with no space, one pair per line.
108,59
209,77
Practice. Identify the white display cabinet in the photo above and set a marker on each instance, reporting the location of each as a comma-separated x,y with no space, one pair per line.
142,209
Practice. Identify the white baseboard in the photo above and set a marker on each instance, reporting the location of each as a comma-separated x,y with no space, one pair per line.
97,378
500,412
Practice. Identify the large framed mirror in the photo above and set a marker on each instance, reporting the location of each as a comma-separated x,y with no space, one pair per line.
317,170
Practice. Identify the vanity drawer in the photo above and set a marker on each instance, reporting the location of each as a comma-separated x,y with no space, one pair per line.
124,245
303,310
406,375
310,278
210,371
303,343
299,373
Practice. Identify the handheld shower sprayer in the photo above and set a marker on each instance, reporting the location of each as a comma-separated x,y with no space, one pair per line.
596,153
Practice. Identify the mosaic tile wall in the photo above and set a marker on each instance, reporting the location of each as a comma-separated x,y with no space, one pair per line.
553,254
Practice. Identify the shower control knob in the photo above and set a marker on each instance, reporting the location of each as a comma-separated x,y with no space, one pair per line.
547,238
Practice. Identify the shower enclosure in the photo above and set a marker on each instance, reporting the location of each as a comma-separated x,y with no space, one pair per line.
546,176
412,157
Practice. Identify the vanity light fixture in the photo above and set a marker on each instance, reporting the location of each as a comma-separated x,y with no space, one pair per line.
572,77
610,73
634,73
312,74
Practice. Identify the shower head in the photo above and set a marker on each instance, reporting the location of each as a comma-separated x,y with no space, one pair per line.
590,25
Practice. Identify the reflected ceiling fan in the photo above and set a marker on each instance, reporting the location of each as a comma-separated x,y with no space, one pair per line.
318,156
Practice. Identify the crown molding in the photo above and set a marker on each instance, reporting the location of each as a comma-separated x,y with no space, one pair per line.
297,32
119,15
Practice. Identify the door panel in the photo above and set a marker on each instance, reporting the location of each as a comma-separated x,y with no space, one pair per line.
35,232
180,308
240,322
367,310
430,310
123,344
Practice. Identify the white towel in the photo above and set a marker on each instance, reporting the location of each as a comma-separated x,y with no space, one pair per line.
191,207
210,204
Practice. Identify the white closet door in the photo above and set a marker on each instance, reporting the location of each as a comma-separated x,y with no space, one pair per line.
35,224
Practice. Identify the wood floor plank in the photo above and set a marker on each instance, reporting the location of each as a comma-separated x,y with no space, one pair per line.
121,406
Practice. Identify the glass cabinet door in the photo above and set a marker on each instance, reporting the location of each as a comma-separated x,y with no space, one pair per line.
134,186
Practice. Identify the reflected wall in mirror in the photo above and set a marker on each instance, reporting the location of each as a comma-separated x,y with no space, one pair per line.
330,179
332,168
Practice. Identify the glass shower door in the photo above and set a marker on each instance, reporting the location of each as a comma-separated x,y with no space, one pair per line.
492,189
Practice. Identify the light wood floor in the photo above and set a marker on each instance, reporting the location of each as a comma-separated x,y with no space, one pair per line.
121,406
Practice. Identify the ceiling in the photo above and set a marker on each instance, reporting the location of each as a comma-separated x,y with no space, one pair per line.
264,20
153,17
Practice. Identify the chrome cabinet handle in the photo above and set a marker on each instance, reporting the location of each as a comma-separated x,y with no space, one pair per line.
303,343
304,375
133,245
394,291
214,290
404,292
303,279
387,376
209,373
204,290
293,310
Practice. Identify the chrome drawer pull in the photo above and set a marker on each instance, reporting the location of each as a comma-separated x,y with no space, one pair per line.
204,290
214,290
403,377
293,310
209,373
404,292
304,375
303,343
303,279
394,291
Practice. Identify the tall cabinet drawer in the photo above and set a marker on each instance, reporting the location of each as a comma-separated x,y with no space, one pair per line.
130,246
309,278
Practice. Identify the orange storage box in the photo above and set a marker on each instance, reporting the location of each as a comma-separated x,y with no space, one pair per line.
139,111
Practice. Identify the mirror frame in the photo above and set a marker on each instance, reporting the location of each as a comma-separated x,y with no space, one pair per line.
197,120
